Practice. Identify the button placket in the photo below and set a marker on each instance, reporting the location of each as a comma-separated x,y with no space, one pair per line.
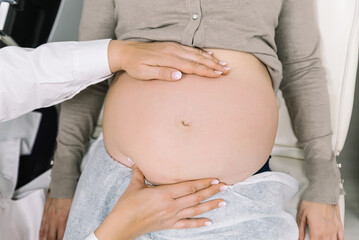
194,10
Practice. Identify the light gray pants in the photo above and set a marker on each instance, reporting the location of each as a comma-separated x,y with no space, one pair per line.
255,207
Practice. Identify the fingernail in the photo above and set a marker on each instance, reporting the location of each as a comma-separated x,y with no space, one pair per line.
130,161
176,75
208,223
227,68
222,204
210,53
222,63
218,72
223,188
214,182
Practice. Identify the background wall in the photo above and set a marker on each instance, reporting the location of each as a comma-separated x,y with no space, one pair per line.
67,23
349,158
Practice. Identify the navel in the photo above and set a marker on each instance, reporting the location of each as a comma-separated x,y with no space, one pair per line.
185,123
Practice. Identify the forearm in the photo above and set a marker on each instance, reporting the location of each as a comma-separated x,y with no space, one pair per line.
308,104
78,117
305,91
54,72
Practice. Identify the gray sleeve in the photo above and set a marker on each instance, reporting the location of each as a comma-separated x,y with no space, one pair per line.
78,116
305,91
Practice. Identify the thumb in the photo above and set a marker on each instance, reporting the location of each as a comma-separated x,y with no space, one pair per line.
164,73
138,179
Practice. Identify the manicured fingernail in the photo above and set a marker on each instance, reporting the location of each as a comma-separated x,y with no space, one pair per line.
210,53
222,63
227,68
218,72
130,161
208,223
222,204
214,182
176,75
223,188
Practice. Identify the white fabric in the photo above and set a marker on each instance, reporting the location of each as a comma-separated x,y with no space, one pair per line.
249,210
92,236
9,165
40,182
24,127
339,27
49,74
4,8
21,219
17,138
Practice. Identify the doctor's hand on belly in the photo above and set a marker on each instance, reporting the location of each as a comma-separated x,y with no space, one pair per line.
162,60
143,209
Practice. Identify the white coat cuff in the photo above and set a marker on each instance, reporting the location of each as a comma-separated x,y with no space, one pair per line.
91,55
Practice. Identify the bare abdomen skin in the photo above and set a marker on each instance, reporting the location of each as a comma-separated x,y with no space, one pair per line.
197,127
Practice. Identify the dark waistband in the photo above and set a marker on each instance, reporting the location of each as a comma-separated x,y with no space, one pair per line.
265,167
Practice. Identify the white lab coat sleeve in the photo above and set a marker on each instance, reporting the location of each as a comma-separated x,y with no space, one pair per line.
92,236
49,74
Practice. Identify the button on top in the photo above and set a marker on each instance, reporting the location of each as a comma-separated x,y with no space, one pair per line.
195,16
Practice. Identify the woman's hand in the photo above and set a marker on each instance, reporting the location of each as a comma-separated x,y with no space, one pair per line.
162,60
143,208
54,218
323,221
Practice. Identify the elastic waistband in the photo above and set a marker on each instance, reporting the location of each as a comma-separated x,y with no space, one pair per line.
265,167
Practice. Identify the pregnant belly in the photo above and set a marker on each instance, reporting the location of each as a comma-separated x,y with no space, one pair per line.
197,127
